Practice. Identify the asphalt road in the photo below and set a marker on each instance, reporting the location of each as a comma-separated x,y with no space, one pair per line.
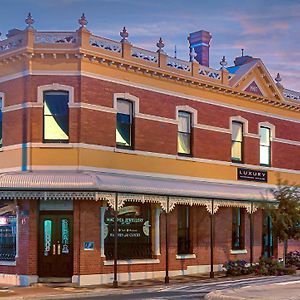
188,291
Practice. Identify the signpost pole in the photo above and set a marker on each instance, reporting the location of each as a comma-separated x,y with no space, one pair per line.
212,242
167,280
251,235
115,282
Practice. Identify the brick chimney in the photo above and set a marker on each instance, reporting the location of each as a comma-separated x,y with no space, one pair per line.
200,40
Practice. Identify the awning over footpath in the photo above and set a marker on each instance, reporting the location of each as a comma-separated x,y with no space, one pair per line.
104,186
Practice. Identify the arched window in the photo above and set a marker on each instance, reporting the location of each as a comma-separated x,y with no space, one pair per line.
184,133
237,142
56,116
124,123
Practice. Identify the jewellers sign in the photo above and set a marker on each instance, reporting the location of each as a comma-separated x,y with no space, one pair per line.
252,175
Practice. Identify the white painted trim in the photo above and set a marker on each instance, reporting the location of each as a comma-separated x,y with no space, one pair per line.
93,107
8,263
145,87
213,128
132,262
156,118
235,252
21,106
189,109
96,279
54,145
54,87
268,125
185,256
126,96
240,120
278,140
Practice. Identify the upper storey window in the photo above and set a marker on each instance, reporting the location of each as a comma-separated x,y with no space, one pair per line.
184,133
56,116
265,146
237,142
124,123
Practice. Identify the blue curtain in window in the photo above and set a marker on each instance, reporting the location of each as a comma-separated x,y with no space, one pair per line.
123,126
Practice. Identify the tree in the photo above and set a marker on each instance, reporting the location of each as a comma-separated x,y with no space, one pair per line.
285,214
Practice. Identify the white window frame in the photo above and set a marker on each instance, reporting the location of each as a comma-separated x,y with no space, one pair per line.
272,137
129,97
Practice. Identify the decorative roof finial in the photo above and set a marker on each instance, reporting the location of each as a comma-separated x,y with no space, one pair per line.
242,51
82,21
278,79
124,35
223,62
175,52
160,44
29,20
193,54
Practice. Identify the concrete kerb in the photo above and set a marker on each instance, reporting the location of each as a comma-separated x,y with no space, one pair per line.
217,295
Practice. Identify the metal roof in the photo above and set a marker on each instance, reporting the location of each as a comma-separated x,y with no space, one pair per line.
142,184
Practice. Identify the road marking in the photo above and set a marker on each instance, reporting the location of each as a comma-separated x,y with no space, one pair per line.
288,282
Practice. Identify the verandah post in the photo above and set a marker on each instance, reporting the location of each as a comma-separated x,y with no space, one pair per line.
251,234
115,282
212,238
167,280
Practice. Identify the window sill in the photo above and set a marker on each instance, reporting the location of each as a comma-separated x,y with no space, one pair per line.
7,263
241,251
55,145
185,256
132,262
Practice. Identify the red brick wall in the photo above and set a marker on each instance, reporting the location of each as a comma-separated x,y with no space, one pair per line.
96,127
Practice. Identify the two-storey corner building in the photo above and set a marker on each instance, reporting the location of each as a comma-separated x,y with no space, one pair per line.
184,153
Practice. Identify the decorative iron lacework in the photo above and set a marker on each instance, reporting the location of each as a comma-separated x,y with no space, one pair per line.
291,94
105,44
55,38
208,72
179,64
12,43
144,54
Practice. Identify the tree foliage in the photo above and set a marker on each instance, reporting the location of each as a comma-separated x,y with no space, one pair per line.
285,214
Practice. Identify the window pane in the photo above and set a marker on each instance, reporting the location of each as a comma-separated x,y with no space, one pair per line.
7,232
124,107
65,236
236,151
264,136
47,237
123,134
134,232
264,155
183,230
184,143
56,128
184,122
237,131
56,115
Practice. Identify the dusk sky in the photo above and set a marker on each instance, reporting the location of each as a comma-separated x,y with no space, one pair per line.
268,29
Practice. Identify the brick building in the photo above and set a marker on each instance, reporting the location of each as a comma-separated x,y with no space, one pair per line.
185,153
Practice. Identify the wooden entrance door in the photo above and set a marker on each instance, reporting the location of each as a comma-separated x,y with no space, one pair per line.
56,244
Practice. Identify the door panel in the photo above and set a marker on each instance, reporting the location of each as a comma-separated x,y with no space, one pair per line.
55,245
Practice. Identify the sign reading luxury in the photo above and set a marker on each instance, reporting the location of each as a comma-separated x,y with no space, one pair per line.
252,175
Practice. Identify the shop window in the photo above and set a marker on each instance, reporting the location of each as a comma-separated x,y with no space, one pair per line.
184,133
238,228
124,123
1,107
56,116
267,236
134,232
183,229
237,142
265,146
8,232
